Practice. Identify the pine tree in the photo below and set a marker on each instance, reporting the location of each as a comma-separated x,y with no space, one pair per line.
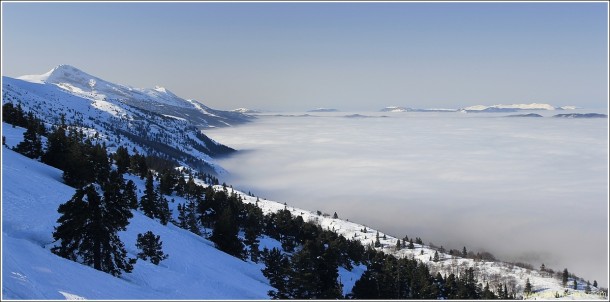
595,283
56,153
162,210
31,146
130,194
588,288
398,246
564,277
225,232
335,216
411,245
148,201
528,288
574,285
464,252
436,257
150,246
253,228
182,217
377,242
277,267
191,218
167,181
88,230
122,159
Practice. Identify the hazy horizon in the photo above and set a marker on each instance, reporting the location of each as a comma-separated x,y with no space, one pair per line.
299,56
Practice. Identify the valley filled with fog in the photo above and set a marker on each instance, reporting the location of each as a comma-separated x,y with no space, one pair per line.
525,189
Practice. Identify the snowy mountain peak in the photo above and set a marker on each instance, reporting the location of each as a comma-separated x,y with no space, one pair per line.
59,74
162,89
158,100
245,110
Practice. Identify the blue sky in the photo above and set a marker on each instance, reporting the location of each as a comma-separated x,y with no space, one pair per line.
350,56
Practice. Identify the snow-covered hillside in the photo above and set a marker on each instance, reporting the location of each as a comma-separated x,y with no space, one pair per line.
545,285
153,121
195,269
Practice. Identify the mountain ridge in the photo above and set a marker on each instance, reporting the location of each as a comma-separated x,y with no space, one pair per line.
151,121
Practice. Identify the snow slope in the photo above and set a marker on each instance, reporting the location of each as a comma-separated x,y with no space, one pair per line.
194,270
544,286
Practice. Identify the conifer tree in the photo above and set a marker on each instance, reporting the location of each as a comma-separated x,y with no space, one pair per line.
162,210
122,159
588,288
225,232
191,218
130,194
377,242
277,267
88,230
150,246
574,285
411,245
564,277
595,283
182,217
148,201
57,147
436,257
31,146
253,228
528,288
167,181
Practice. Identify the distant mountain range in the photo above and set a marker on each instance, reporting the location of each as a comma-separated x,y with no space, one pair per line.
323,110
484,108
581,115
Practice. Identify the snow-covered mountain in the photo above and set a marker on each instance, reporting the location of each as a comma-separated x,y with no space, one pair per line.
158,100
153,121
508,108
245,110
394,109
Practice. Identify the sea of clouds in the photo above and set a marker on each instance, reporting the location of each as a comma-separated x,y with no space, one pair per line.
524,189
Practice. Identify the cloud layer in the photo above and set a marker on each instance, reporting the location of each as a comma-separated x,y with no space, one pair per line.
524,189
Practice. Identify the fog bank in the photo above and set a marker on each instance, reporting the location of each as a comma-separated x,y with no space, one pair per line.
524,189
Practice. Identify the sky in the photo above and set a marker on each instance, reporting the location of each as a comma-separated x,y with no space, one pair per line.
348,56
